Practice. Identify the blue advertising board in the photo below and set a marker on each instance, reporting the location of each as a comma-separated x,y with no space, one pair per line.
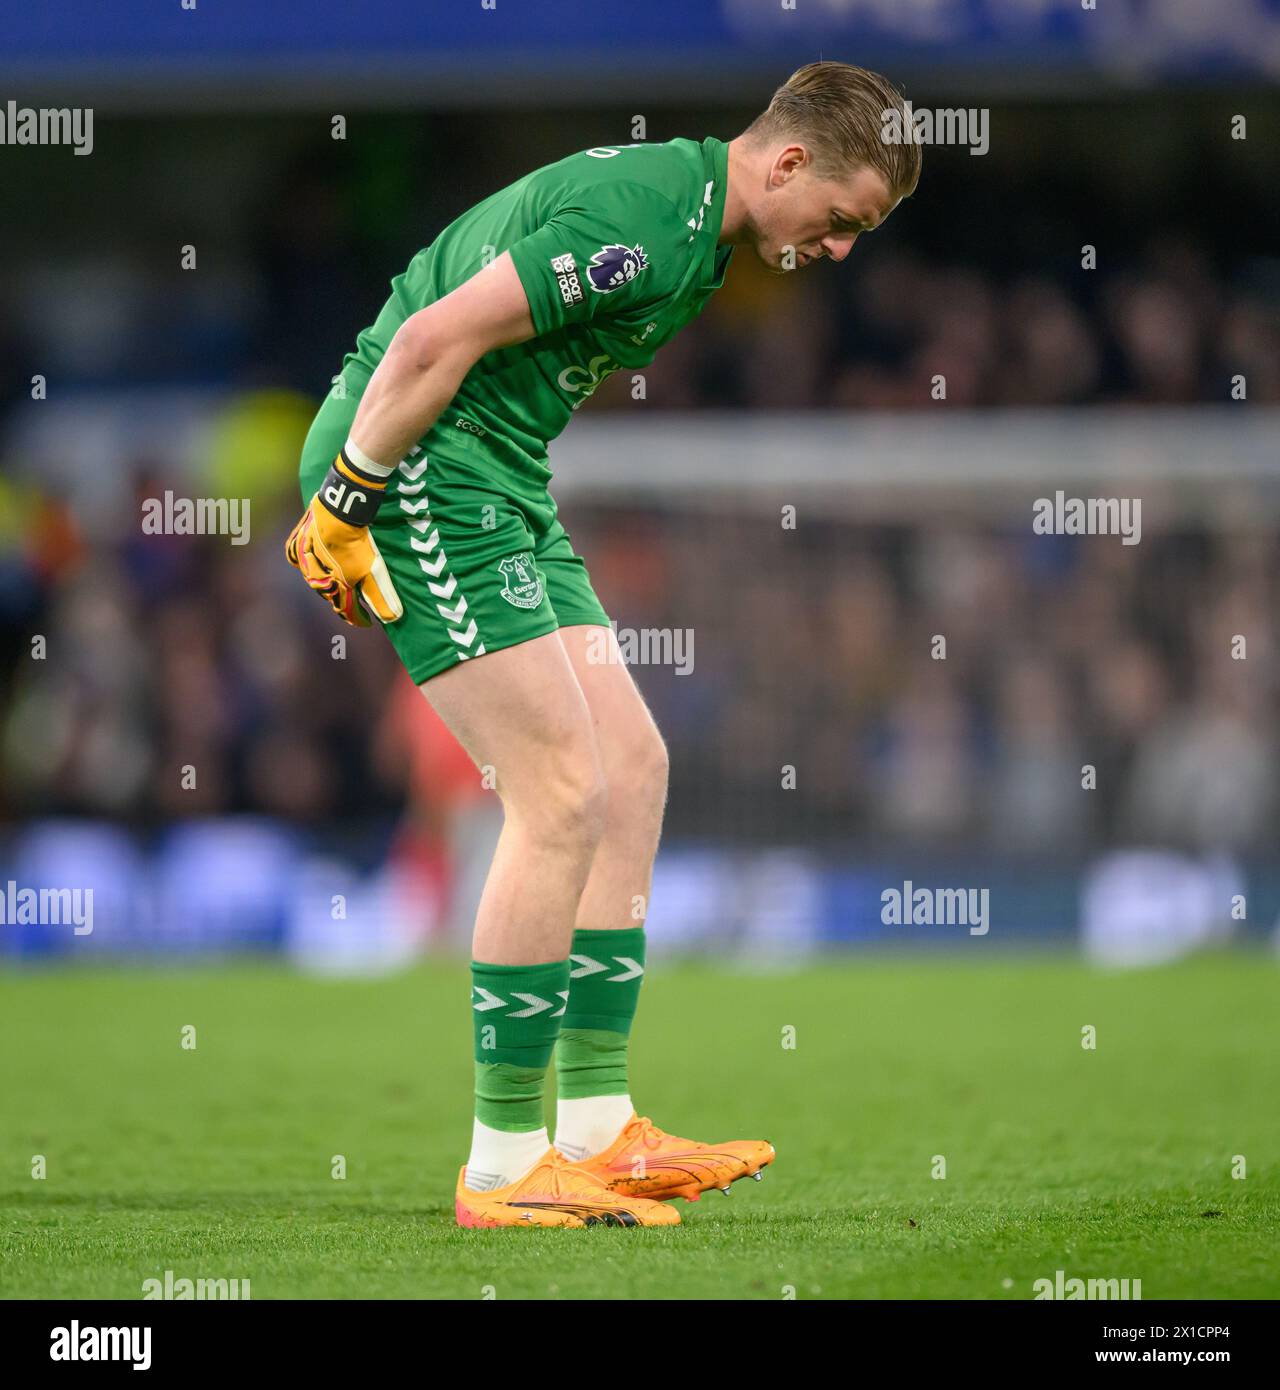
462,40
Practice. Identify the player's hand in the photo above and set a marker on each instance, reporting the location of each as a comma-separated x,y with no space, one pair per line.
339,558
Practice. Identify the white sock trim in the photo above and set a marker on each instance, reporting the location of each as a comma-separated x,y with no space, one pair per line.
585,1127
499,1157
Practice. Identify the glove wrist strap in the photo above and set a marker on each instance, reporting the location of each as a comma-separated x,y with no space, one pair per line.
350,493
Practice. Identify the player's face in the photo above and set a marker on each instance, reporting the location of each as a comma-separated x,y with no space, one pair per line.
802,218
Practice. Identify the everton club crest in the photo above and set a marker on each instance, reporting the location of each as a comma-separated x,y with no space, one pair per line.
521,581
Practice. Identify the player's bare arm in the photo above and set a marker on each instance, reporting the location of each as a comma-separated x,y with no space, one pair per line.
420,373
431,354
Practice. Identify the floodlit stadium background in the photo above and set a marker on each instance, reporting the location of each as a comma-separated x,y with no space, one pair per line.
813,647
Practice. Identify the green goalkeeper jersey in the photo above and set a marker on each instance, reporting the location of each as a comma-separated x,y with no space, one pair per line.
616,248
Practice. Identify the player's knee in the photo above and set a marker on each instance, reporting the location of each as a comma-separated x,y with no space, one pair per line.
645,768
576,801
562,799
656,769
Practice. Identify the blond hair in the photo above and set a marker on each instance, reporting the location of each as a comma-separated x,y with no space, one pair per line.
839,111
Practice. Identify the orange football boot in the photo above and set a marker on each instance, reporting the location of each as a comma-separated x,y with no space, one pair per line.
555,1192
643,1161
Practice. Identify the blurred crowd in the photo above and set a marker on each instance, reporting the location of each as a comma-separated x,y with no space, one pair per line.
182,677
1061,656
1087,693
879,332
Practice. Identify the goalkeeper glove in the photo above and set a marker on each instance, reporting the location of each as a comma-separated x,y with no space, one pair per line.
335,551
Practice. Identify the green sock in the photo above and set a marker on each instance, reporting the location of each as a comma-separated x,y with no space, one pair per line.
517,1011
607,968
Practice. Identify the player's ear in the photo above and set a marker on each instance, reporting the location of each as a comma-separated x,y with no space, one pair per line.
791,159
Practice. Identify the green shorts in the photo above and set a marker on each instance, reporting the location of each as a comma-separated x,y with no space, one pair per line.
476,552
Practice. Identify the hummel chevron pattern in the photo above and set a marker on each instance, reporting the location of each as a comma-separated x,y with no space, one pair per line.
586,965
487,1000
440,582
534,1004
413,475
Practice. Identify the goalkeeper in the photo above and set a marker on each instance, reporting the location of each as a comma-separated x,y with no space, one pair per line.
426,478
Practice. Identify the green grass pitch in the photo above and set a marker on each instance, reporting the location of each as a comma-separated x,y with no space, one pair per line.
216,1162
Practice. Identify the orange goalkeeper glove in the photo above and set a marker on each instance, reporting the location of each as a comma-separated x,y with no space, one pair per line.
334,549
